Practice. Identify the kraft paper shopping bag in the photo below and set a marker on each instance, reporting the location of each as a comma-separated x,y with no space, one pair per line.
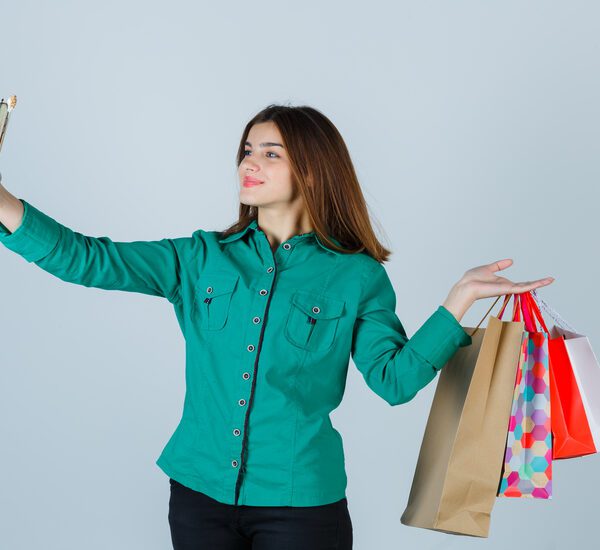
458,469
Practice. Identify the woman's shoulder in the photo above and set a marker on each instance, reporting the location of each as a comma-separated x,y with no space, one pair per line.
362,261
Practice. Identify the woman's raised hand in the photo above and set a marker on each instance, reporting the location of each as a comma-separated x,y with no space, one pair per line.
482,282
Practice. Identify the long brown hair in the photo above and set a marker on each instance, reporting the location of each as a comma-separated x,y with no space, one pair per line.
322,169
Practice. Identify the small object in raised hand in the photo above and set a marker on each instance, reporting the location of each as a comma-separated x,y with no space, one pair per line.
5,108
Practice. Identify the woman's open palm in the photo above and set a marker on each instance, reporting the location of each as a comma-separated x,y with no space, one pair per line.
482,281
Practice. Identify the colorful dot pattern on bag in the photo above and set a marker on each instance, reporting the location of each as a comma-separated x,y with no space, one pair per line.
527,469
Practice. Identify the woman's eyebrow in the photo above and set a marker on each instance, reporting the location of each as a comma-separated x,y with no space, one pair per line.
267,144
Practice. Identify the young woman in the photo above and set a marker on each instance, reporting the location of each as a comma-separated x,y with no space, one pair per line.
272,309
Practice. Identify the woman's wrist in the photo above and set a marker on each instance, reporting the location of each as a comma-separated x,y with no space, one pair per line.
11,210
458,301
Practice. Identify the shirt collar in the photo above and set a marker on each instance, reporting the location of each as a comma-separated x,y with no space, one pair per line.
254,224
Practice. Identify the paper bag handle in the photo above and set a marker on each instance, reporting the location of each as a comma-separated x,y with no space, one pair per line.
554,314
517,308
506,300
533,310
528,317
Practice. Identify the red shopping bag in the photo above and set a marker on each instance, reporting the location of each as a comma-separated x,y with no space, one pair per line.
572,436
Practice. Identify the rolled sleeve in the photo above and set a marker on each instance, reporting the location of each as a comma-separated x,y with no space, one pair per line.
35,237
438,339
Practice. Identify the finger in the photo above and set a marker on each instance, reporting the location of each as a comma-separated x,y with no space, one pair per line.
530,285
500,264
544,281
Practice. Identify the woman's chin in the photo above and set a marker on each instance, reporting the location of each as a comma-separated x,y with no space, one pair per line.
249,201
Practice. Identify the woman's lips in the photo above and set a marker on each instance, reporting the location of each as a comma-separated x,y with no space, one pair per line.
251,183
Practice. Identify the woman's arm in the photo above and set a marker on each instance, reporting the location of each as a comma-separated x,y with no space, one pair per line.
147,267
394,366
11,210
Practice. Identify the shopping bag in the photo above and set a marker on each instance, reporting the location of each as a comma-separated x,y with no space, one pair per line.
575,390
527,468
456,477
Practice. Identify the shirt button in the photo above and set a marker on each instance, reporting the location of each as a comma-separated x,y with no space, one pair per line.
256,320
316,309
246,375
209,289
234,463
263,292
250,347
287,246
242,402
236,432
269,270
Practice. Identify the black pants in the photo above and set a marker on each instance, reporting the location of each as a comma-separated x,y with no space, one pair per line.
199,522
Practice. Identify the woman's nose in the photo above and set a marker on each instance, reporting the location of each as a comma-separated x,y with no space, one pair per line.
250,165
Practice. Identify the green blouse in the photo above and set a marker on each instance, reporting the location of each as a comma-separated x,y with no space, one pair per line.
268,337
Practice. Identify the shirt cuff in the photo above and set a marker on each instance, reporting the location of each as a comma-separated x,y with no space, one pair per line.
438,339
35,237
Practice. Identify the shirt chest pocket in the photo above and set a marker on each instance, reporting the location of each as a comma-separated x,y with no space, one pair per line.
212,299
312,320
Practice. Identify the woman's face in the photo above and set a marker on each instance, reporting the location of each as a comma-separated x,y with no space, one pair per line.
265,160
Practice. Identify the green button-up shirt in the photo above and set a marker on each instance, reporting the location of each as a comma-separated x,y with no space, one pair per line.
268,337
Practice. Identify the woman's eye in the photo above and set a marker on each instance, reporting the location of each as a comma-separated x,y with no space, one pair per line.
268,153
